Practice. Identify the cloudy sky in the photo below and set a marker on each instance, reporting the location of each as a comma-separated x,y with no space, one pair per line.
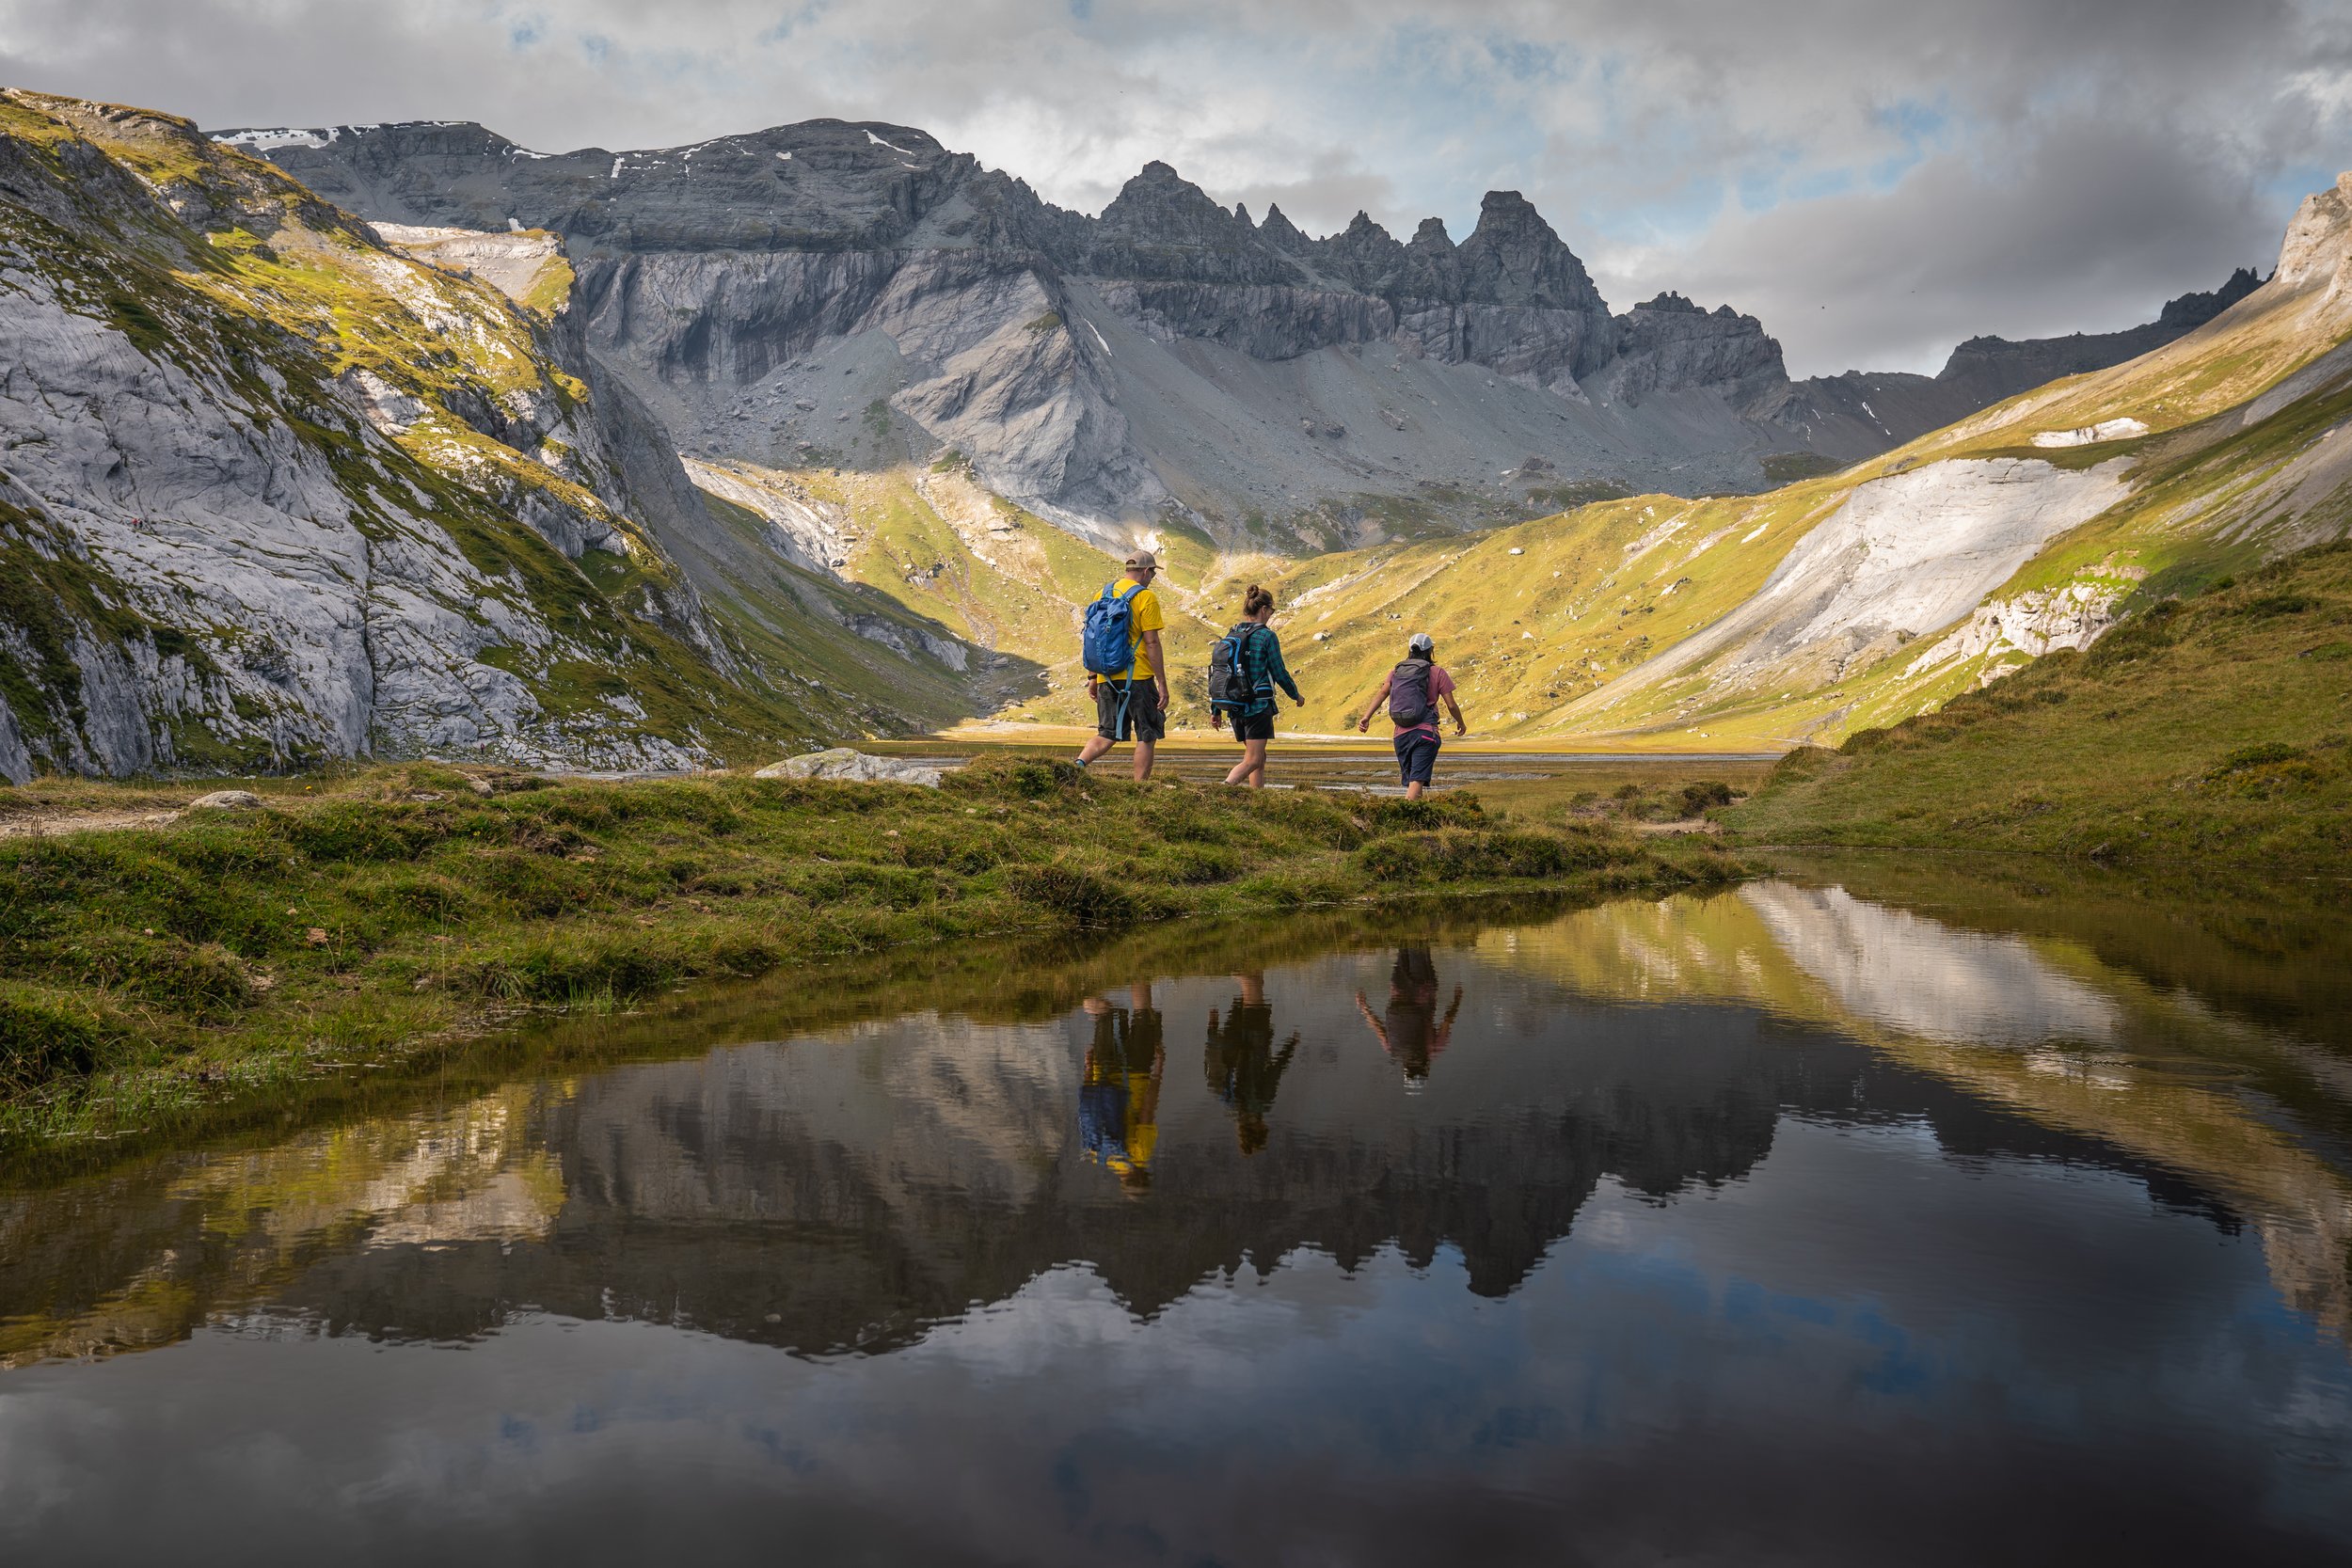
1876,179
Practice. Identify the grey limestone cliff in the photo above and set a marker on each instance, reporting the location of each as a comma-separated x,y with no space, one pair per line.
766,293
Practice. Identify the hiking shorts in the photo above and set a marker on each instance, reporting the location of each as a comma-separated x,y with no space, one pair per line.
1416,756
1119,716
1254,726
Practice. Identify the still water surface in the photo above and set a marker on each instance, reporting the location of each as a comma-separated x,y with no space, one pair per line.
1806,1222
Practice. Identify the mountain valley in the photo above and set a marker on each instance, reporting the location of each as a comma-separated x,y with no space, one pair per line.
638,460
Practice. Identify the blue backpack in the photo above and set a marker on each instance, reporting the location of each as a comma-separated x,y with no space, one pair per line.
1109,643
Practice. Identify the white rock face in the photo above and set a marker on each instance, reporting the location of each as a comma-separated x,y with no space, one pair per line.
338,637
1901,557
845,766
2318,249
2028,625
2091,434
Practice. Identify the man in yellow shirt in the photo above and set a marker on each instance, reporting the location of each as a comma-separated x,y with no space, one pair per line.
1134,707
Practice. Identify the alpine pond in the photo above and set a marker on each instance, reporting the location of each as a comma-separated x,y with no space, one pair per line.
1859,1215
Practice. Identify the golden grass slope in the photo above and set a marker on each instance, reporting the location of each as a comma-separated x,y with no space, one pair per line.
2215,728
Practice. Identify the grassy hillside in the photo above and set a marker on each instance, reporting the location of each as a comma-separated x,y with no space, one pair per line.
2218,726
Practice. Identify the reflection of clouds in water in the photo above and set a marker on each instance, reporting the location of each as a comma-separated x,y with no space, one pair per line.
1925,978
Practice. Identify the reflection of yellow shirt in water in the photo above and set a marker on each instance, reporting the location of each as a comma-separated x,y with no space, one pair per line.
1119,1095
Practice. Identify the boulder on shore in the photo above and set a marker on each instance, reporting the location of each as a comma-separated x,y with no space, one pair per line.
227,799
850,766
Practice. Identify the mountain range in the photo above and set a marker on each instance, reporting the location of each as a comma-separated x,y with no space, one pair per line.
1170,360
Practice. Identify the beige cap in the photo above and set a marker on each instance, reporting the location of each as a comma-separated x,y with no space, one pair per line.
1143,559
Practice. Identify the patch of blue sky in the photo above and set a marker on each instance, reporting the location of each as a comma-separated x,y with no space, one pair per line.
1455,118
2291,182
1679,210
1532,64
788,22
1917,129
1918,123
1082,11
525,32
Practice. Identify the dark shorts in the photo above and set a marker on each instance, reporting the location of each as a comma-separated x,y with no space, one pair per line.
1119,716
1416,756
1255,726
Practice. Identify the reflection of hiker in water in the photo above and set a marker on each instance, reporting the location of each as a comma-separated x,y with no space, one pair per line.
1241,1065
1119,1100
1413,1035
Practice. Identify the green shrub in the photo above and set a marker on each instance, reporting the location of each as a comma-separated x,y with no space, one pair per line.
1315,816
2151,629
41,1039
1704,795
1018,778
203,981
2258,755
1075,896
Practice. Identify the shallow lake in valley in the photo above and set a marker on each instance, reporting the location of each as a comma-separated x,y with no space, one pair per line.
1878,1212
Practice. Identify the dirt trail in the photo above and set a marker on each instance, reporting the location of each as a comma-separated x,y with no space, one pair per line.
46,823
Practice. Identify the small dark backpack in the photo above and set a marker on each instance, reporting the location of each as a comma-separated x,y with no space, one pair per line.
1232,683
1408,694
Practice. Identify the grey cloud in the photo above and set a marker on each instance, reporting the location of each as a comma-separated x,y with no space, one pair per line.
2014,165
2091,231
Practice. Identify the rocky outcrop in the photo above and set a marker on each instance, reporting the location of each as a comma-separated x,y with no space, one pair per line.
842,765
1670,345
275,492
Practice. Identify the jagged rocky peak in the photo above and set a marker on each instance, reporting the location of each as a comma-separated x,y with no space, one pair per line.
1669,343
1159,204
1163,226
2195,309
1279,231
1514,258
1433,264
1364,256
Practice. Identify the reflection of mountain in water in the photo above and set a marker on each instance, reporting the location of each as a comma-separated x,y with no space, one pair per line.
849,1188
1924,977
846,1192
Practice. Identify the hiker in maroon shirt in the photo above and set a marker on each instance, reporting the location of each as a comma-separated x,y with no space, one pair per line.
1411,694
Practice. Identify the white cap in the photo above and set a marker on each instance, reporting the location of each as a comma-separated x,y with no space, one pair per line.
1420,642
